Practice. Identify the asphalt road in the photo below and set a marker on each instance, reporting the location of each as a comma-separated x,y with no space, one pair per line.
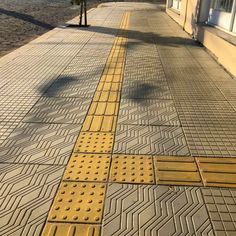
23,20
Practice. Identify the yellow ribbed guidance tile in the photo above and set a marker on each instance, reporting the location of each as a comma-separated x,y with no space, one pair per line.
112,78
88,167
177,171
104,86
219,172
95,142
100,123
104,109
62,229
78,202
106,96
132,169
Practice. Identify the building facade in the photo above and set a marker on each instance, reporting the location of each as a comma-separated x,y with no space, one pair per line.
212,22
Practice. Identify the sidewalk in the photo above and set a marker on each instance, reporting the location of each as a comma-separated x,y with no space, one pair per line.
127,127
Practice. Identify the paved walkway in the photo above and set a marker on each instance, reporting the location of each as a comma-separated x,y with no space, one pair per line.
127,127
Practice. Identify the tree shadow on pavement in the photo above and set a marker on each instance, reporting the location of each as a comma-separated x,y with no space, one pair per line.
26,18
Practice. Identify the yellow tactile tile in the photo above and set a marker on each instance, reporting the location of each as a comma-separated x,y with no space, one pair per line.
107,96
177,171
88,167
62,229
94,142
112,78
106,86
78,202
104,108
100,124
132,169
219,172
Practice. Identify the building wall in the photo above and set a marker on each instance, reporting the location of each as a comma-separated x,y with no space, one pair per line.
191,16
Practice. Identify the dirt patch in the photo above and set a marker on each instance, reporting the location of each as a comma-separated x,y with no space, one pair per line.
24,20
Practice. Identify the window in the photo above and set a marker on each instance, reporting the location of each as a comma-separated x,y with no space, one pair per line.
176,4
222,5
222,14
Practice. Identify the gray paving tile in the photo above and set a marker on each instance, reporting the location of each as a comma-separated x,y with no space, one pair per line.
228,88
148,112
146,89
26,194
40,143
59,110
184,75
83,85
206,113
14,109
160,140
5,129
211,141
221,205
174,53
143,210
196,91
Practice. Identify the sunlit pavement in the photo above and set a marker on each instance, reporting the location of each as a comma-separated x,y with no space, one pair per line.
127,127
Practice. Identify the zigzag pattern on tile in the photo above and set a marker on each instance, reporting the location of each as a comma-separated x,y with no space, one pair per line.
59,110
40,143
161,140
26,194
142,210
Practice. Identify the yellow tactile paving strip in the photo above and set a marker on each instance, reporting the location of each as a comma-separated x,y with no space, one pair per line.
177,171
88,167
80,204
52,229
132,169
218,172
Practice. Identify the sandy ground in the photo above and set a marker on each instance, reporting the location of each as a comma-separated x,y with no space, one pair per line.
24,20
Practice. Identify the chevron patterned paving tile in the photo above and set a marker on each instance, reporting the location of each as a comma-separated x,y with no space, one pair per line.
221,205
161,140
206,113
60,229
40,143
148,112
211,141
146,89
26,194
70,87
59,110
143,210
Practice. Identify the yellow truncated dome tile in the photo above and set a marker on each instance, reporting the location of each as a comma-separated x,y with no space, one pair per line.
94,142
100,123
88,167
132,169
177,171
62,229
78,202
